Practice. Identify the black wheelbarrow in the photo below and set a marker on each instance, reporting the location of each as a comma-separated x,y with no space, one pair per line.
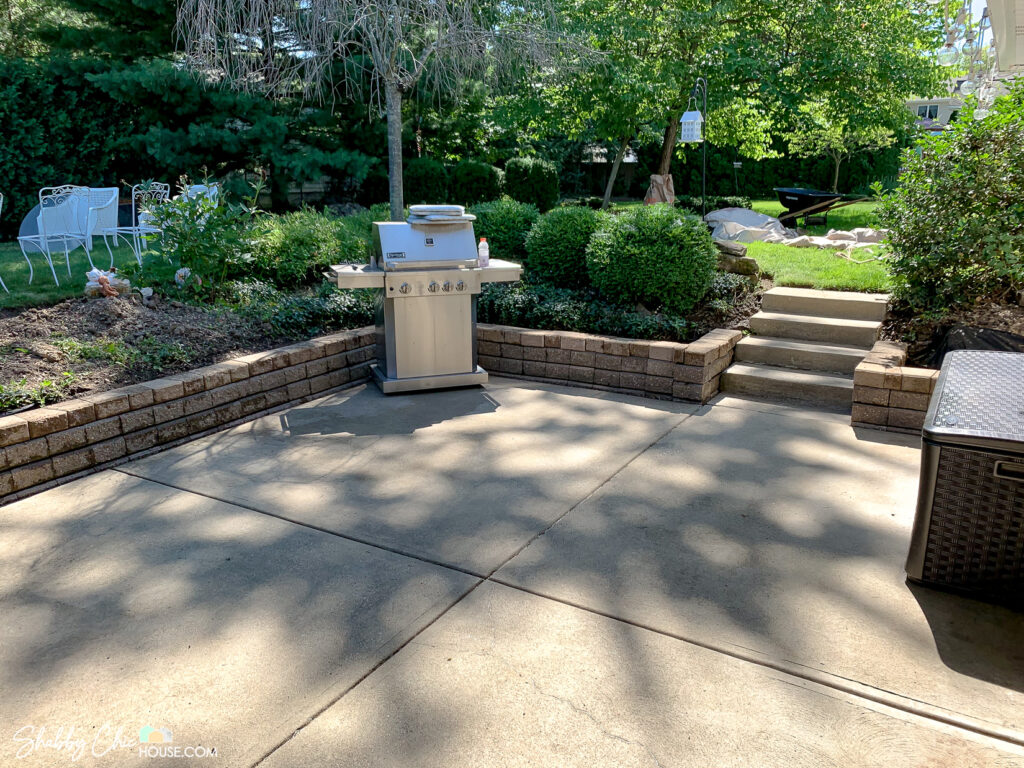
812,205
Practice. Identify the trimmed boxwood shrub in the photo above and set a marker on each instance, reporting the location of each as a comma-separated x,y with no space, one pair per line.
556,247
293,249
653,255
532,180
474,182
426,181
956,222
505,223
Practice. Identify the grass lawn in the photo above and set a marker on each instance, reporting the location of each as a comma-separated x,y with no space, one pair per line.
850,217
42,291
813,268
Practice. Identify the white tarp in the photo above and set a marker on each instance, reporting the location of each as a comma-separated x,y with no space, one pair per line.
742,225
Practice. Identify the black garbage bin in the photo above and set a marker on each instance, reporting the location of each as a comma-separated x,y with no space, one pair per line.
969,530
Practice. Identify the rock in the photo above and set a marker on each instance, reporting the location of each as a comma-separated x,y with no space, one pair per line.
730,248
738,265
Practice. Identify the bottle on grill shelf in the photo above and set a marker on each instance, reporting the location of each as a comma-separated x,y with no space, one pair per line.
483,253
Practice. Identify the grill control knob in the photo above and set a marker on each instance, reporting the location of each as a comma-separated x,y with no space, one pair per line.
460,286
446,286
432,287
404,288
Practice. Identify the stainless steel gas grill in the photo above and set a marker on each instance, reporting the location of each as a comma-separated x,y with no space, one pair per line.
427,274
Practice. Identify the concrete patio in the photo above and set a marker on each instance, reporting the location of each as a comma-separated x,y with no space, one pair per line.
513,575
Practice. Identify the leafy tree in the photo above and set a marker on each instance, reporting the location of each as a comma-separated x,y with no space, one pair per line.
822,131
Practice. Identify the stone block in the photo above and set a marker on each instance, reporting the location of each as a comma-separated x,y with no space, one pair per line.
659,384
906,419
869,414
44,421
263,362
317,367
165,389
13,429
575,342
667,350
913,401
634,365
532,338
557,371
870,375
660,367
582,374
105,429
30,475
319,383
584,359
560,356
66,440
606,378
534,368
871,395
629,380
136,420
639,349
701,353
689,374
75,461
141,441
684,390
6,484
192,382
164,412
510,335
512,351
607,362
334,362
919,380
490,333
535,354
172,430
197,403
27,452
338,378
298,389
139,396
491,348
109,450
79,411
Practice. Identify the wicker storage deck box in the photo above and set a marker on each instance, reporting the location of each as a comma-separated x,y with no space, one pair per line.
969,530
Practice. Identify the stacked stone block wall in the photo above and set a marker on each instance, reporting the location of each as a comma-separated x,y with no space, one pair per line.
46,446
889,395
656,369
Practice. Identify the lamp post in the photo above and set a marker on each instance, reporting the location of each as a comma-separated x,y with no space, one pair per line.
691,126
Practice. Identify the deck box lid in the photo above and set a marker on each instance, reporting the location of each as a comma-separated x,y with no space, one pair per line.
979,401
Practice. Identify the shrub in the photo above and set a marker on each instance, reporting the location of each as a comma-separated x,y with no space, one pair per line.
692,202
474,182
426,181
548,308
590,202
327,309
957,219
532,180
652,255
556,247
293,249
505,223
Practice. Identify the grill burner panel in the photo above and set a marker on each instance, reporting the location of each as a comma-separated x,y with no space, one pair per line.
428,281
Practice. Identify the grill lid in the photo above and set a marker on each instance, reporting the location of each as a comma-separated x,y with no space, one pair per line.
434,245
979,399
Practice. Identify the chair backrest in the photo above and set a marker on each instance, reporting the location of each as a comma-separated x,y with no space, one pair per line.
1,204
102,210
61,210
202,190
147,196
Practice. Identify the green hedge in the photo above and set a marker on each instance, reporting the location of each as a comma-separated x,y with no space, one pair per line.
556,247
652,255
532,180
475,182
505,223
294,249
426,181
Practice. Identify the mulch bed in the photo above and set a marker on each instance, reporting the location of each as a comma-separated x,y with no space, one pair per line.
923,335
199,336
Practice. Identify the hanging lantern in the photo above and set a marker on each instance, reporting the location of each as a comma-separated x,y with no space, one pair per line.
691,127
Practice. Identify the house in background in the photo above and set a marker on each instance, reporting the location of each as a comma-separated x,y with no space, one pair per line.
934,115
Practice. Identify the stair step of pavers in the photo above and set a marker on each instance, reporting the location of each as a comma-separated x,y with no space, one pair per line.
784,384
804,301
832,330
803,355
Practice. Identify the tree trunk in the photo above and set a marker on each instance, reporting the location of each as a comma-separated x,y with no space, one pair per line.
668,144
838,161
393,101
615,172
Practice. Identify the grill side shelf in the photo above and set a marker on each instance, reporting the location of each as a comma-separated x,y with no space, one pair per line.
355,276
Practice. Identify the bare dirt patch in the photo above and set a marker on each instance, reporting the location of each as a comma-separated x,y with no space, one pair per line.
923,335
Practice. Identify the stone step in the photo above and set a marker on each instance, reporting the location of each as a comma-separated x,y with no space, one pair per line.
844,304
786,385
804,355
833,330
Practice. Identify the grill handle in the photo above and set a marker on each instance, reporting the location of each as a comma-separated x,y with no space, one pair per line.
1009,470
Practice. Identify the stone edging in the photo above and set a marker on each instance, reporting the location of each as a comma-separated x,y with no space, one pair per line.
47,446
888,395
656,369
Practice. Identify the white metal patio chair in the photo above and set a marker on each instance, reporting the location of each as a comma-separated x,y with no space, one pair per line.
144,198
101,214
58,222
199,190
1,215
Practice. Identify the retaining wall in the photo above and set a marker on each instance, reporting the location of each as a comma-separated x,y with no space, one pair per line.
889,395
656,369
47,446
